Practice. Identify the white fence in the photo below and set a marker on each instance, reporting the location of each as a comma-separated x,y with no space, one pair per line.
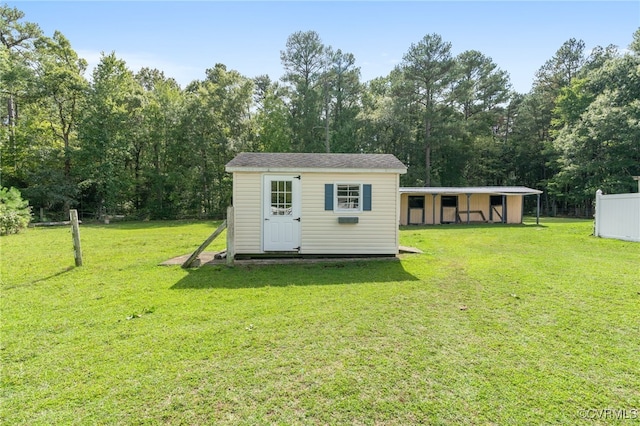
618,216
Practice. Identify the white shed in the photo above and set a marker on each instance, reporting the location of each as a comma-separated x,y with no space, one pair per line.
315,204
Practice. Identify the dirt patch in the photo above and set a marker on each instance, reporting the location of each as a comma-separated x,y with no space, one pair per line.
204,258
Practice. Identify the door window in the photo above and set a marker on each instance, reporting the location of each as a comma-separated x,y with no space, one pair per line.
281,197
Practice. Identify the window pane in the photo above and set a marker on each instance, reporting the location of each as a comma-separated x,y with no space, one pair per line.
348,197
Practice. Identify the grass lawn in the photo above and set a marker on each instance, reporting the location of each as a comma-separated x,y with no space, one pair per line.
491,325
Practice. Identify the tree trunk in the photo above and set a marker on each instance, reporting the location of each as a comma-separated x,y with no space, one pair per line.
157,183
11,121
67,158
427,152
326,118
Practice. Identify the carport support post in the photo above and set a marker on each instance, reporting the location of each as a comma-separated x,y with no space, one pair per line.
434,208
231,250
538,211
468,208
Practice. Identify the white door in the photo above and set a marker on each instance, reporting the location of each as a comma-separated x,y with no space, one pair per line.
281,213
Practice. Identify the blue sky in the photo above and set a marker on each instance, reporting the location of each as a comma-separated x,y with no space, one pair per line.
183,39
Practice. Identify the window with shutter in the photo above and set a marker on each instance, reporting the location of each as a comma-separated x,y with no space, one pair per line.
347,197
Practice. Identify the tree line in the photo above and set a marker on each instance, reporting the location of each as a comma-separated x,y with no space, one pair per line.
136,143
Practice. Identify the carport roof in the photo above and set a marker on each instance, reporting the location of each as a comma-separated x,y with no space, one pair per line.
453,190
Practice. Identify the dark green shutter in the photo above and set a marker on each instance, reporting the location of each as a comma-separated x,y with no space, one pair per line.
328,196
366,197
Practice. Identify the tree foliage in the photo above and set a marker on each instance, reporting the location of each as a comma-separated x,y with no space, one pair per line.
136,143
599,141
15,213
426,77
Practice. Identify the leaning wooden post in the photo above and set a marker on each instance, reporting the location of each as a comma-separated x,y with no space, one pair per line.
195,254
75,231
231,248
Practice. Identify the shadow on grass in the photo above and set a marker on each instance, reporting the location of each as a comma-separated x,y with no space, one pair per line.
330,273
57,274
39,280
566,219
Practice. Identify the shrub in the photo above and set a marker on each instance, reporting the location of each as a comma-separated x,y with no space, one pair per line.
15,213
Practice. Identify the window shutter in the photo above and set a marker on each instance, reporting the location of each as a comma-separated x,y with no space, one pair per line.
366,197
328,196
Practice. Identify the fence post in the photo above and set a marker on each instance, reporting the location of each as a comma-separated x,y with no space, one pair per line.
75,231
231,228
596,230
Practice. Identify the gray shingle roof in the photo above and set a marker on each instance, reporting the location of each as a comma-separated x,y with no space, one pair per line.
302,161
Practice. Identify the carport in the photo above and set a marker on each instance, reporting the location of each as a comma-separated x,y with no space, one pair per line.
488,204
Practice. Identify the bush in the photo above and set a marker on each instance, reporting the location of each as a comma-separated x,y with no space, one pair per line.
15,213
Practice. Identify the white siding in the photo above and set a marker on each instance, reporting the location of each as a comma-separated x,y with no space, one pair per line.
618,216
247,203
376,231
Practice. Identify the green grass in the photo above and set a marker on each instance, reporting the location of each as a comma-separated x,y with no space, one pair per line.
491,325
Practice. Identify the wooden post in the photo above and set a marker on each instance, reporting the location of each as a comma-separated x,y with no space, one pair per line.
468,209
204,245
75,231
231,248
434,209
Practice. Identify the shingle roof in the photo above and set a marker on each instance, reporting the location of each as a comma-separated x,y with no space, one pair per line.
302,161
497,190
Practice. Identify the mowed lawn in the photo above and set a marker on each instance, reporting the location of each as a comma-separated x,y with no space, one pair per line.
492,324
